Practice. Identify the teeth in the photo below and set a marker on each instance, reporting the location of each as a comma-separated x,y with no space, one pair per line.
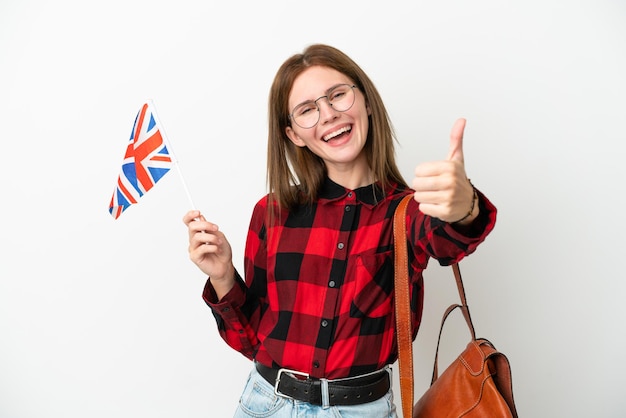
336,133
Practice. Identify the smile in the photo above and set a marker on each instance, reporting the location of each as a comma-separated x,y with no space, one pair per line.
338,132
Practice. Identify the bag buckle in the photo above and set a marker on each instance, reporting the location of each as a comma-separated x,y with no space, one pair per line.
280,372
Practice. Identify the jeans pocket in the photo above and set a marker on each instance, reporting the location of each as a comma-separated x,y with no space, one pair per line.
380,408
258,398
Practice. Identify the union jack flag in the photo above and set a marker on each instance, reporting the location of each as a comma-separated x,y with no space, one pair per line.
146,161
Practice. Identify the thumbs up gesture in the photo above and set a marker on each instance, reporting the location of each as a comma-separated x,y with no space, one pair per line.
442,188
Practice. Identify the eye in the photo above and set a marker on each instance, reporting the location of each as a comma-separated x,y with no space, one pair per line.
304,109
338,93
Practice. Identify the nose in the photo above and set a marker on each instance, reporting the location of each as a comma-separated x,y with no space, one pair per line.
327,111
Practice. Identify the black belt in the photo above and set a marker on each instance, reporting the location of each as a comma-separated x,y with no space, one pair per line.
349,391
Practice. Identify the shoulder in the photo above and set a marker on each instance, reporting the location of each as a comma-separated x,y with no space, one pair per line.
267,208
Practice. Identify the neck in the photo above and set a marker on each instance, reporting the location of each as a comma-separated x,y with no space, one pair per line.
352,179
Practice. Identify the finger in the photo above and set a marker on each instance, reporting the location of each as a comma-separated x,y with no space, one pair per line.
435,175
430,197
190,216
196,227
456,141
432,209
425,183
427,169
208,238
201,238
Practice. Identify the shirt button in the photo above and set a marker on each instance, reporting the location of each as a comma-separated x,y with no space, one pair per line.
347,208
324,323
331,283
340,245
350,194
316,364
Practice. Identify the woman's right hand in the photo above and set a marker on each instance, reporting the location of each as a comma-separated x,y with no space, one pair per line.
210,251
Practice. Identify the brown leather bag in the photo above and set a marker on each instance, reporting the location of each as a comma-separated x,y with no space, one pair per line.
476,384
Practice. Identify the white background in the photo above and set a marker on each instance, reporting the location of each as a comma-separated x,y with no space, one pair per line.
104,318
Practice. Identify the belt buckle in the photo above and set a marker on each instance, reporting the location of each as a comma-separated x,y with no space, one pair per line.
281,371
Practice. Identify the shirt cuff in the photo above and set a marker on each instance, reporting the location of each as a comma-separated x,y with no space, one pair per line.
481,225
226,306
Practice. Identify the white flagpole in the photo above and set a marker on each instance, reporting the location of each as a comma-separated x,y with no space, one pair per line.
172,155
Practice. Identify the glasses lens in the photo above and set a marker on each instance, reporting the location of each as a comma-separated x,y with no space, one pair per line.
306,114
340,98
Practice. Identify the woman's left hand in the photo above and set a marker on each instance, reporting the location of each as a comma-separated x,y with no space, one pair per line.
442,188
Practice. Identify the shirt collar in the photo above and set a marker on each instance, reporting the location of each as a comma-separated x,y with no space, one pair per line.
368,195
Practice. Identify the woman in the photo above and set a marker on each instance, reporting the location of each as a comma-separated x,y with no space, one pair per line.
315,310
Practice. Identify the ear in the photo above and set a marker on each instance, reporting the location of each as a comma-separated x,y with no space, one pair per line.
293,136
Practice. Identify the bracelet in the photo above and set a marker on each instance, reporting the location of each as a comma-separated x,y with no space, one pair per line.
474,199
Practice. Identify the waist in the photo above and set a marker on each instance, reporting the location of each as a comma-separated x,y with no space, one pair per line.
324,392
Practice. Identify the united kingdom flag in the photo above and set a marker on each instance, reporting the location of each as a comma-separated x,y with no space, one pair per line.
146,161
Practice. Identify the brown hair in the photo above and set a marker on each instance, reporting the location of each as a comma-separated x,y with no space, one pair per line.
289,165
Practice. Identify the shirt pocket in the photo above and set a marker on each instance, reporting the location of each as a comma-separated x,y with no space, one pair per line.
371,282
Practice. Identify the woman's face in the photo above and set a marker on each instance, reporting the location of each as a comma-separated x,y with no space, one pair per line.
338,137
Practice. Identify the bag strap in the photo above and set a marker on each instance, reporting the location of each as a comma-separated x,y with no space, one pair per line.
403,307
404,326
404,329
466,314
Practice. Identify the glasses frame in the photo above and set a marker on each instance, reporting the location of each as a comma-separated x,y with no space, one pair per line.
330,90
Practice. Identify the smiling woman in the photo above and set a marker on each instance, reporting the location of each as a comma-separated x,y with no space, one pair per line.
336,129
313,309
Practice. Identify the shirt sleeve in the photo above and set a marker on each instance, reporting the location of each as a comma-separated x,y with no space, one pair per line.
238,313
232,324
450,243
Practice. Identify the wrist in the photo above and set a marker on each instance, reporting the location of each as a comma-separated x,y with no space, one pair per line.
223,284
472,213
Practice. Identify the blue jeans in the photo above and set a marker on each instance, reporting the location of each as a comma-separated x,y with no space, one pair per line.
258,400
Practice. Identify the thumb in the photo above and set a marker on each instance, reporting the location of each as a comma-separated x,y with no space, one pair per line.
456,141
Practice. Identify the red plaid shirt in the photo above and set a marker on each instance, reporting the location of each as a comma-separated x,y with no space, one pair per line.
318,293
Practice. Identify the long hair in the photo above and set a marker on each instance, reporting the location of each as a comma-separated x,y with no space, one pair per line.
288,165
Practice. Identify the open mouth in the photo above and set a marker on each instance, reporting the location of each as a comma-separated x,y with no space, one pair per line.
338,133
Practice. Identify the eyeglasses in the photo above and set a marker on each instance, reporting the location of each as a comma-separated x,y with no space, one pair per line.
307,114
